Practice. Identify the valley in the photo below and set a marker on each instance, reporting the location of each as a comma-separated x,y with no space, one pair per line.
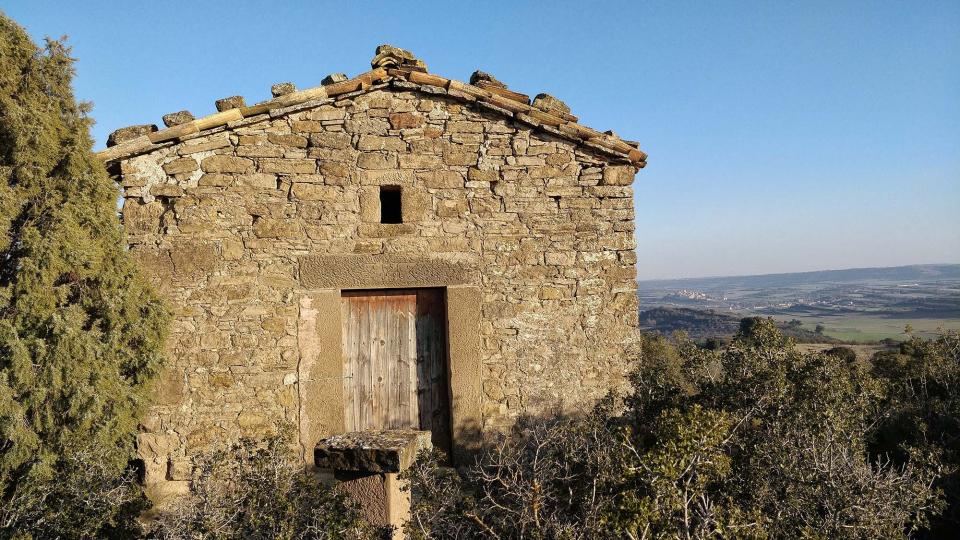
862,305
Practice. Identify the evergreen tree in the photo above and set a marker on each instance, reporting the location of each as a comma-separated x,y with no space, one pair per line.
81,335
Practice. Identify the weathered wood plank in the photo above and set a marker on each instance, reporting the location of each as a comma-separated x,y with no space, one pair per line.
349,353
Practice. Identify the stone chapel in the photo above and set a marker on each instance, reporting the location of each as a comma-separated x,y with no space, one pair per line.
392,250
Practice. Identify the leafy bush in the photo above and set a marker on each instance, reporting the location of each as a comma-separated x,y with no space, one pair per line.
754,440
549,479
257,490
88,500
923,419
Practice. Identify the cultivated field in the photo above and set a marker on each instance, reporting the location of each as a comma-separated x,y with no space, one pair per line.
866,328
859,305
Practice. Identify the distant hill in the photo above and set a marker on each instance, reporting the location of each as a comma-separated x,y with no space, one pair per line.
701,324
901,274
858,305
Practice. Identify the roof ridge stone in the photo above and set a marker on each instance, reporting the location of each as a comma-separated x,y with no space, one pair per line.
546,112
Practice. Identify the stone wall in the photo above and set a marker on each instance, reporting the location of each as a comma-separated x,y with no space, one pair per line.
221,223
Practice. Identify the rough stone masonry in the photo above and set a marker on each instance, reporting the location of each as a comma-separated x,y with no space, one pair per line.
252,220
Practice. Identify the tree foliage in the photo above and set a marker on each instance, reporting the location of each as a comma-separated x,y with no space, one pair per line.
80,334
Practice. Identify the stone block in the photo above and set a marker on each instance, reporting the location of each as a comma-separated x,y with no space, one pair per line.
276,228
141,218
177,118
150,423
384,230
245,140
375,126
370,160
610,191
162,494
454,156
203,437
282,89
169,388
564,258
548,103
288,166
221,380
388,451
334,78
291,140
252,423
447,208
306,126
526,161
259,150
232,102
129,133
464,127
618,175
258,181
558,159
179,469
327,114
314,192
387,177
166,190
214,340
484,77
477,175
226,164
231,250
564,191
420,161
156,445
405,120
204,145
441,179
335,141
276,326
551,293
180,165
336,173
370,205
374,142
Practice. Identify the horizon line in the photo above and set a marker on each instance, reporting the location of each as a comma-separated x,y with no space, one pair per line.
801,272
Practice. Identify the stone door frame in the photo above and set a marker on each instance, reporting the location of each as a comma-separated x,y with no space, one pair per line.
319,338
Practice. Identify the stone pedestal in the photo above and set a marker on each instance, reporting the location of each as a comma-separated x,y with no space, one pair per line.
367,464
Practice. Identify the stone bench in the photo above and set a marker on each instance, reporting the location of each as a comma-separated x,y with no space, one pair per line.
366,465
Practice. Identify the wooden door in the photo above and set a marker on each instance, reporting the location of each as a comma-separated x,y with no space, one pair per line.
395,361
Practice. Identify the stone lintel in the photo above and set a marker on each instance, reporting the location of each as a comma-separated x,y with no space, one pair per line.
380,271
387,451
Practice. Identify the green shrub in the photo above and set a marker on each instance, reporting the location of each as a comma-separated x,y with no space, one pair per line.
923,415
87,500
547,479
259,490
753,440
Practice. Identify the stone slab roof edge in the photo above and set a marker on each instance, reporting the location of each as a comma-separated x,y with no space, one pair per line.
487,97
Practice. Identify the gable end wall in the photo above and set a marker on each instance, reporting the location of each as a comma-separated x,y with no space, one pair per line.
239,228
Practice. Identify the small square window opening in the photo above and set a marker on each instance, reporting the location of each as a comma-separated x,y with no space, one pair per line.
390,205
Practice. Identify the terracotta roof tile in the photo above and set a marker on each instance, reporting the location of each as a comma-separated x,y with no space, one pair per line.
401,70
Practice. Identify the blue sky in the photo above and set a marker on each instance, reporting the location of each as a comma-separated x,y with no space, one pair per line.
783,136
